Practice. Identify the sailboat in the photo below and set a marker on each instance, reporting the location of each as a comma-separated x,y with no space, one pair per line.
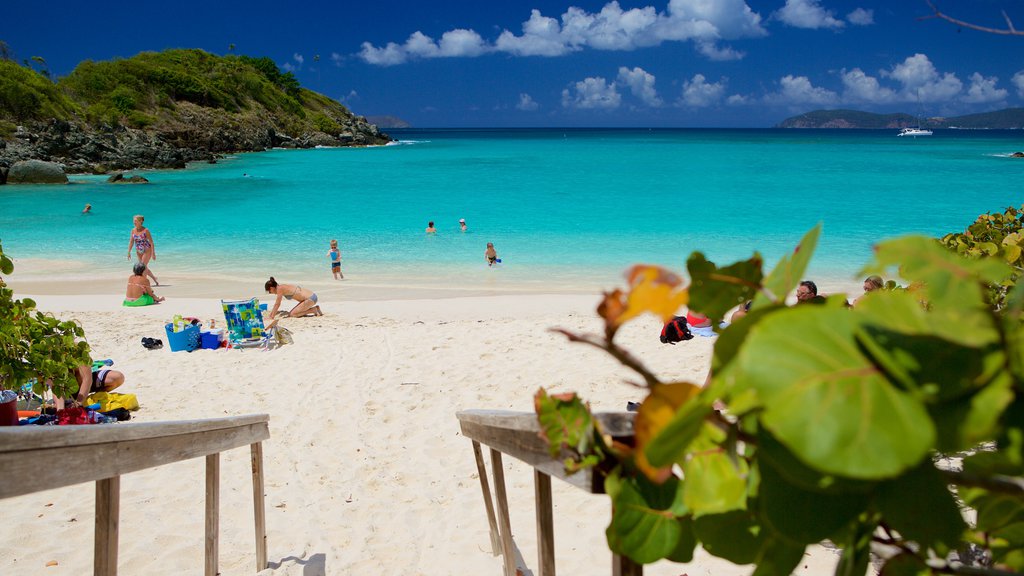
916,131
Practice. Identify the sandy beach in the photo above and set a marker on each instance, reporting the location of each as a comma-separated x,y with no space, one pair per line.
366,469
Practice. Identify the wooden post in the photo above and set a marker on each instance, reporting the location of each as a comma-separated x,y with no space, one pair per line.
108,504
212,513
504,522
545,524
481,471
259,510
622,566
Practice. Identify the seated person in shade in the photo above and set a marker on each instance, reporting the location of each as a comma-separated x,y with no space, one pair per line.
139,291
807,292
697,320
871,283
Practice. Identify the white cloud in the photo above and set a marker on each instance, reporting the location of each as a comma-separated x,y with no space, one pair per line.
526,103
737,100
921,81
641,84
697,93
807,14
799,90
288,67
983,90
714,53
298,58
592,94
861,17
1018,81
613,28
859,87
338,59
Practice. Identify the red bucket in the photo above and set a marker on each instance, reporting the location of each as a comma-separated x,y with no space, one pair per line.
9,413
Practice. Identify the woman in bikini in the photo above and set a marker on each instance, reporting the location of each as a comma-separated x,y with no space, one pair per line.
145,248
139,291
305,298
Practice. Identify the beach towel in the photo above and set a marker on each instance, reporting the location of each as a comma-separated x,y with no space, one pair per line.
112,401
144,300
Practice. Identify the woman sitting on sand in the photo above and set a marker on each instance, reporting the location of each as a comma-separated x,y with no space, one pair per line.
305,298
140,291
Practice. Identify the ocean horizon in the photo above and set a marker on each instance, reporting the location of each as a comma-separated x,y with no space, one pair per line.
567,209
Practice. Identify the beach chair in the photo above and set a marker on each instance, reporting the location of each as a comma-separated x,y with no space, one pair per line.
245,324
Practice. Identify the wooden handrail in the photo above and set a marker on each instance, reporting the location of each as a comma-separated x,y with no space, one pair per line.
518,435
103,453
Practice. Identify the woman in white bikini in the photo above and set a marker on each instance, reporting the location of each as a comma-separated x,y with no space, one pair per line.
305,298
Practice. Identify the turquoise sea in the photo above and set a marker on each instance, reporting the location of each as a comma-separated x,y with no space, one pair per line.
566,209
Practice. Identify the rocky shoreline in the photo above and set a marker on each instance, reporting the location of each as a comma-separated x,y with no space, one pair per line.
197,134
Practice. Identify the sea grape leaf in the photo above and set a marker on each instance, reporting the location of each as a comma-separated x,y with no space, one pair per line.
995,510
789,271
714,291
905,565
732,338
826,401
565,422
856,550
1008,546
714,482
651,289
645,523
931,517
899,311
6,265
656,411
947,278
735,535
804,516
987,463
795,472
670,444
683,553
778,556
986,410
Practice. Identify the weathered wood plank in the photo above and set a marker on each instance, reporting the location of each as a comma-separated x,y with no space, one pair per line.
622,566
34,438
259,506
20,474
212,547
545,524
504,522
108,509
481,471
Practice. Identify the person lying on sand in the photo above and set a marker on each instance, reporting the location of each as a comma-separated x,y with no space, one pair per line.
139,291
305,299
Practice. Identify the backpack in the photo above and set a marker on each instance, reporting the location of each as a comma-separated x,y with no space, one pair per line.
675,330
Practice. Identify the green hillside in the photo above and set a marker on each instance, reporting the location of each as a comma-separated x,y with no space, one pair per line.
1010,118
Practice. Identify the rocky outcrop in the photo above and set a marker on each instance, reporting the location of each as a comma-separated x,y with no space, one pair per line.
36,172
120,179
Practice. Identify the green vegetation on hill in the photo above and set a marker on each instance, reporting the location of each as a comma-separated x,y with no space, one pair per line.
149,88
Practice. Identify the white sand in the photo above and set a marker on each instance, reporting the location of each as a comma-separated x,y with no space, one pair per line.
366,470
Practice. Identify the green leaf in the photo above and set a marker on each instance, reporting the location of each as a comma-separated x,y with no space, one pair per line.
778,557
799,474
900,311
565,422
6,265
645,522
683,553
790,270
714,483
921,508
734,536
804,516
905,565
714,291
731,340
826,401
670,445
856,550
995,510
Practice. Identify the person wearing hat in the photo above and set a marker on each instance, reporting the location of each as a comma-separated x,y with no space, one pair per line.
462,224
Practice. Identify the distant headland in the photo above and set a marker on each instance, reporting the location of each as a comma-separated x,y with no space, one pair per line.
1007,119
162,110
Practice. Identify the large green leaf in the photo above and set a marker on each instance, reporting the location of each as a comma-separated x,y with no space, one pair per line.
856,550
670,445
790,269
930,517
566,423
804,516
687,542
795,472
645,522
900,311
905,565
714,291
778,557
826,401
714,483
734,536
731,340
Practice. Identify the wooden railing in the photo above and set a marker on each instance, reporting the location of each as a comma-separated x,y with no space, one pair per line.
103,453
518,435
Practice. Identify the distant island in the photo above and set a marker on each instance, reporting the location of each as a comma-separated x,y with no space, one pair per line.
1007,119
163,109
388,122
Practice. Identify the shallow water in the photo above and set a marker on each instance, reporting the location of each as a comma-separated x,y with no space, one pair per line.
564,208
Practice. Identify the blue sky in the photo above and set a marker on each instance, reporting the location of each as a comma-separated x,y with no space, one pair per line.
671,63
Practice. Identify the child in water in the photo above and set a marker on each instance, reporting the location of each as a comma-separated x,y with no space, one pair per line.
491,254
335,255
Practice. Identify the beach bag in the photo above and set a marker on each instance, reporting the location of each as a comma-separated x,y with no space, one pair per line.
112,401
675,330
283,336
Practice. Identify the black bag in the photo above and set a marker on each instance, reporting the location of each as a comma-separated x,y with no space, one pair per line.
675,330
